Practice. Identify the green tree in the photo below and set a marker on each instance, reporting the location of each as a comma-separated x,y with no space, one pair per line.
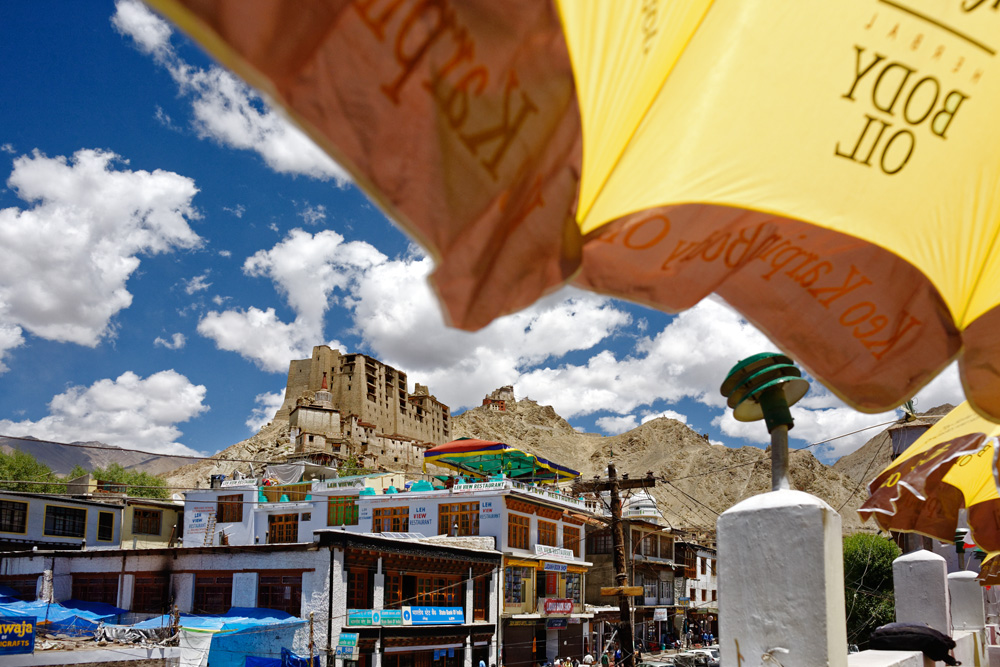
77,471
22,472
868,585
137,483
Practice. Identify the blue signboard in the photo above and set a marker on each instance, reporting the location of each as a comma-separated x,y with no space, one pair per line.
433,616
556,623
17,634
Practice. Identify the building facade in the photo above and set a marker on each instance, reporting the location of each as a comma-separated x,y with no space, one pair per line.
373,392
46,522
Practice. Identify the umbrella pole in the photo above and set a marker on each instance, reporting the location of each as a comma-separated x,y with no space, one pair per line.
779,459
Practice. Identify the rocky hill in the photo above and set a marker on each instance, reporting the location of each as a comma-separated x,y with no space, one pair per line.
696,479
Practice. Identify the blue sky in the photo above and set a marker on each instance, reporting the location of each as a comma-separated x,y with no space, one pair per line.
168,243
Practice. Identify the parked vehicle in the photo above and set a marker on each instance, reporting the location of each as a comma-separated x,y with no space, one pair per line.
660,661
713,655
691,659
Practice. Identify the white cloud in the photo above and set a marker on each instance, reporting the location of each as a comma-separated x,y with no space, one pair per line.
225,253
198,283
10,337
65,262
8,148
129,412
266,405
176,342
616,425
164,119
313,215
687,359
306,269
225,109
237,210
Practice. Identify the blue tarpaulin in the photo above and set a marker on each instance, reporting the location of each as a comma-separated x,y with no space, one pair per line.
254,661
55,618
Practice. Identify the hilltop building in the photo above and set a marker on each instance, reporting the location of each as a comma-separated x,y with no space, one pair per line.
340,406
500,399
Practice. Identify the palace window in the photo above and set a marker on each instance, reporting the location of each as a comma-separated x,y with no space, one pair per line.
571,539
280,591
65,521
342,511
547,533
517,531
106,526
146,522
231,508
151,593
464,515
515,586
391,520
96,587
212,594
13,516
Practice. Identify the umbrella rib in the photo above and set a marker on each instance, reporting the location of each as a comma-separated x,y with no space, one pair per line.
979,275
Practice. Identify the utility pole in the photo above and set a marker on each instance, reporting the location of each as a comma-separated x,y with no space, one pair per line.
613,486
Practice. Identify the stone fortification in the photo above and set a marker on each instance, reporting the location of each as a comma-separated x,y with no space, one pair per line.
375,392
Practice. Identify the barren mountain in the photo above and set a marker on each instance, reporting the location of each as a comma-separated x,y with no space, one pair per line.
696,480
62,458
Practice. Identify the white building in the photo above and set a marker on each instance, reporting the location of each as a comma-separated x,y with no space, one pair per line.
47,522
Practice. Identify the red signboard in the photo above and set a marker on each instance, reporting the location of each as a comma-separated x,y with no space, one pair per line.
558,606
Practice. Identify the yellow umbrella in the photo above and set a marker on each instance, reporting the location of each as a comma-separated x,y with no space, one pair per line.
829,168
951,466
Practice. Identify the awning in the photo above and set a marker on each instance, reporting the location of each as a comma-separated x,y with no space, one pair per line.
484,458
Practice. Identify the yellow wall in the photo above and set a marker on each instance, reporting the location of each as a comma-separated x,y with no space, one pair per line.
169,517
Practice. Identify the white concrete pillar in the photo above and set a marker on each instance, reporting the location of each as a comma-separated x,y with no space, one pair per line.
43,589
378,591
377,654
781,552
244,589
183,589
467,653
470,587
968,611
920,585
125,589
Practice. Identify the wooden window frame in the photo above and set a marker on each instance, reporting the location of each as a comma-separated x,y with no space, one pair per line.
518,531
25,585
548,533
10,512
151,593
59,523
213,593
439,590
571,539
600,543
269,597
357,588
342,511
282,528
101,527
95,587
230,509
391,519
466,515
516,579
480,597
393,591
149,519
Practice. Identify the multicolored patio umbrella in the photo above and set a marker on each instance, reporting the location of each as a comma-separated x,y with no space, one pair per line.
831,169
483,458
951,467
